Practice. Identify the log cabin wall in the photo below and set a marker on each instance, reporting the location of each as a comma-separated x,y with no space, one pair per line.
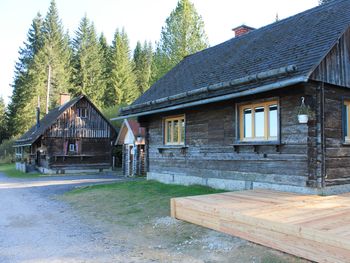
92,135
337,152
334,72
69,125
210,154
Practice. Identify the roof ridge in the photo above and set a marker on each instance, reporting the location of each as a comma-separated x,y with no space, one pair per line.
301,40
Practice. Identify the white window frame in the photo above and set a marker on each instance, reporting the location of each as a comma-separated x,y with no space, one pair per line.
72,147
81,111
253,105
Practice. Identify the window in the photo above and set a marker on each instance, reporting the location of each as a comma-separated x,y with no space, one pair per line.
259,121
72,147
346,120
82,113
174,130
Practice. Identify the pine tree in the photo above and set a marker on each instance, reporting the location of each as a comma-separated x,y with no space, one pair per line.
122,76
143,56
52,68
182,35
87,62
20,110
105,53
3,121
46,51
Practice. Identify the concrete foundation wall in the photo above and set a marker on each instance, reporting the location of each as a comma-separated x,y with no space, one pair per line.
234,185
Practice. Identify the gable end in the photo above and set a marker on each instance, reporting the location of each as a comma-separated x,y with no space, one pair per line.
335,67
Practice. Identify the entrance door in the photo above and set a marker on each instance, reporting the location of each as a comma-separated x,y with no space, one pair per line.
37,159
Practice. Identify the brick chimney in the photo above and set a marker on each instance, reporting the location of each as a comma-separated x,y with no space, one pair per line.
64,98
242,30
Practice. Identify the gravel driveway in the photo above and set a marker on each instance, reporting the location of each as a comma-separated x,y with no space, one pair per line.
35,227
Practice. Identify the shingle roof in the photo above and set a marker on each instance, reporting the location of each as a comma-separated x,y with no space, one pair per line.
302,40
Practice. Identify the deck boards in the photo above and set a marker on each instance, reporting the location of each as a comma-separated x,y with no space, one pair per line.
313,227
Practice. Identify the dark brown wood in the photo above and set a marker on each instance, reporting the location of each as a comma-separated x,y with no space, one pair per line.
93,137
211,133
335,67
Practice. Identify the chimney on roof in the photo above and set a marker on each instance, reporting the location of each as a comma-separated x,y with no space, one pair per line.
242,30
64,98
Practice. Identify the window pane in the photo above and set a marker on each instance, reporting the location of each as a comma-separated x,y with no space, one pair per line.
182,131
168,127
247,119
176,131
346,121
259,122
273,125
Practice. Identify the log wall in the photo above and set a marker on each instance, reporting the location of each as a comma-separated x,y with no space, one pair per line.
337,151
211,133
91,135
70,125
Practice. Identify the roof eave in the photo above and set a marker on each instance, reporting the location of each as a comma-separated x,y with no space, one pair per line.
260,89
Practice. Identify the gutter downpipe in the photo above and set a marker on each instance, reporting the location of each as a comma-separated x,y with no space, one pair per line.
323,137
273,86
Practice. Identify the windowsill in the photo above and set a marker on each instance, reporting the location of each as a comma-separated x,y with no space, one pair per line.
257,143
175,146
182,148
346,143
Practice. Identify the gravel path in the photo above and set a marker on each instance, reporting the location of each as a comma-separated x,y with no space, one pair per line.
34,227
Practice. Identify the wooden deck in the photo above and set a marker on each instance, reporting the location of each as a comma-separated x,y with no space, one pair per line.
312,227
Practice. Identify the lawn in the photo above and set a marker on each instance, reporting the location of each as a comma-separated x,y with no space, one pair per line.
10,170
133,202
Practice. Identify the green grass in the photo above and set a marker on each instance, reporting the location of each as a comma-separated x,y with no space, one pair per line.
10,171
130,203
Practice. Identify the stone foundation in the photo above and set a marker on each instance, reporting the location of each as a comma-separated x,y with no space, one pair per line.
234,185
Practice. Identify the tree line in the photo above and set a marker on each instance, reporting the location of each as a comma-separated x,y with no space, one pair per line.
50,62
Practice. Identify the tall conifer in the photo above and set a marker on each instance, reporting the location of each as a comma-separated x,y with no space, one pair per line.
87,63
122,76
143,56
182,35
20,110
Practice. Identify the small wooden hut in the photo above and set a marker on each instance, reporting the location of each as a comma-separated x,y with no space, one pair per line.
131,138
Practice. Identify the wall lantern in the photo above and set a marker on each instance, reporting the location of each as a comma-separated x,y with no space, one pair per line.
139,139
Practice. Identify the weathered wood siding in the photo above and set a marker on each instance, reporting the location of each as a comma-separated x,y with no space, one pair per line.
335,67
92,135
210,133
70,125
337,152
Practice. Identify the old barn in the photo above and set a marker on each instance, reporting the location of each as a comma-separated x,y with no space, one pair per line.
227,116
72,137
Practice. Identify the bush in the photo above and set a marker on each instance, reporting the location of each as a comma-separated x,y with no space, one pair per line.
7,151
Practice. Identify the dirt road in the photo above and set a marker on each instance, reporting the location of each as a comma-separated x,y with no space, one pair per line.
34,227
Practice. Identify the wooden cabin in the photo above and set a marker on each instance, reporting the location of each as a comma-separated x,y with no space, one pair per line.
131,138
227,116
73,137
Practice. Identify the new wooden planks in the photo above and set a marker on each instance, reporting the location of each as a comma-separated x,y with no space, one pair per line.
313,227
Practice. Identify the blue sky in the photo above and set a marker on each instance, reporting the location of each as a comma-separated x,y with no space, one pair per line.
142,20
